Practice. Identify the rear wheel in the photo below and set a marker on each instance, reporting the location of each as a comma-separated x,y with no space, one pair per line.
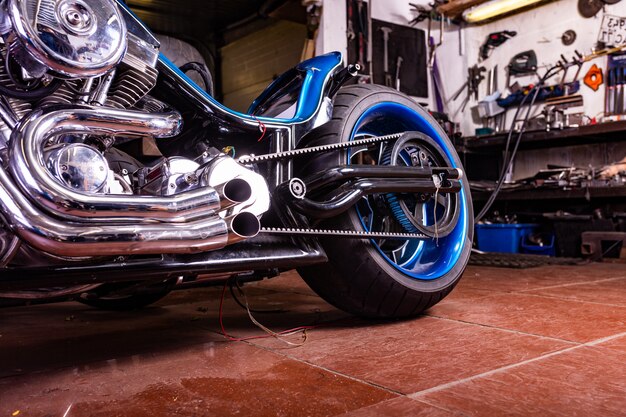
390,278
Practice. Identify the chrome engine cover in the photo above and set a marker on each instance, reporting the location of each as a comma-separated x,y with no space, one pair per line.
78,166
68,38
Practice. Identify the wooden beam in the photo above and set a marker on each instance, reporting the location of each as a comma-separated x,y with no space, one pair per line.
455,7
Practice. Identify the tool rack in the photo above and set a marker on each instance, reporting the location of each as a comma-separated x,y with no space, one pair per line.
480,152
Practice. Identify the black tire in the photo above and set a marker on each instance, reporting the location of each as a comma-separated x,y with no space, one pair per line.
111,296
357,278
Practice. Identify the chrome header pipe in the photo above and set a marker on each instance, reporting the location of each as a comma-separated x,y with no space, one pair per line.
27,168
61,238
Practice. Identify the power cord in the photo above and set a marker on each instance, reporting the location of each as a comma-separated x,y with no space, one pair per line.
270,333
508,162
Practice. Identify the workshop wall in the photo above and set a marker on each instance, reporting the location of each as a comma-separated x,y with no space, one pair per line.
332,37
539,29
250,64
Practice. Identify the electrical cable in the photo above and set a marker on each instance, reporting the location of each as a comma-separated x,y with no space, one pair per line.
262,128
14,80
270,333
507,163
238,301
28,92
204,73
33,94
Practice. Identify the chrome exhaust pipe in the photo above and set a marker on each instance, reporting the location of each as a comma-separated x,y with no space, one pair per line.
26,154
233,192
60,238
242,226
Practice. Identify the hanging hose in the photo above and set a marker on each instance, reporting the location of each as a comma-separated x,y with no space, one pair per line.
26,92
31,95
508,163
203,71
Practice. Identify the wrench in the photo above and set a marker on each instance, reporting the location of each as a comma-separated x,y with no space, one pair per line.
386,31
398,64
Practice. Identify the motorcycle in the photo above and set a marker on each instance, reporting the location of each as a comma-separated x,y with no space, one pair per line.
122,179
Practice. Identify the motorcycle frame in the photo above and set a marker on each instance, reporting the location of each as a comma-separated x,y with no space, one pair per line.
208,121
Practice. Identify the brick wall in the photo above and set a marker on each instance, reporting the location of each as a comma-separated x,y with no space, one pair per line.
251,63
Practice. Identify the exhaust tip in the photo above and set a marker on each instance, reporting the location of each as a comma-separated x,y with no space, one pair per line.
244,225
233,192
237,190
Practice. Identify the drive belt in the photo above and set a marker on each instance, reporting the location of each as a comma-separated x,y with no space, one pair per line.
340,233
252,159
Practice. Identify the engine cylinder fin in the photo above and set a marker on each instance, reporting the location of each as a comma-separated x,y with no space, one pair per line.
65,94
130,86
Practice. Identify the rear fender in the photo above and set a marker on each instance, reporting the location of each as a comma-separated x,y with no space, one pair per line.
297,95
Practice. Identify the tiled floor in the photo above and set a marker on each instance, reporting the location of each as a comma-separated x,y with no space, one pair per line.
541,341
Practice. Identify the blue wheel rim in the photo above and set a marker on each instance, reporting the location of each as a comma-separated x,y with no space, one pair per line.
420,259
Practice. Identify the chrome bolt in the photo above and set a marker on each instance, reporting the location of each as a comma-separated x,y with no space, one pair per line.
73,18
191,179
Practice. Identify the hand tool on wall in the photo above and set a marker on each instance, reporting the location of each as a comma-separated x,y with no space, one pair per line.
437,83
398,65
524,63
386,31
494,40
474,78
623,89
610,92
619,91
424,13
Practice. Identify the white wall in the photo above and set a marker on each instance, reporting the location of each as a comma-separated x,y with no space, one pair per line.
539,29
332,37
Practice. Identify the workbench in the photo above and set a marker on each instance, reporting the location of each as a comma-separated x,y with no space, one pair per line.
591,208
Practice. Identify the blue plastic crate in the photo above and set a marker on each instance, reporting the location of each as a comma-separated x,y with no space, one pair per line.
502,237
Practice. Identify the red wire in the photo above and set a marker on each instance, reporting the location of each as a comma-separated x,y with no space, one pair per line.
243,339
262,127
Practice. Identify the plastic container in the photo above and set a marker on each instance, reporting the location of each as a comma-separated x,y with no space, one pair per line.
505,238
548,249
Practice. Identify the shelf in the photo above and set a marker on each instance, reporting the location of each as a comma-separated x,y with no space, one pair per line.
553,193
602,132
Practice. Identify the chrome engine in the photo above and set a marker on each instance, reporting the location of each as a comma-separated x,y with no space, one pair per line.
58,189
